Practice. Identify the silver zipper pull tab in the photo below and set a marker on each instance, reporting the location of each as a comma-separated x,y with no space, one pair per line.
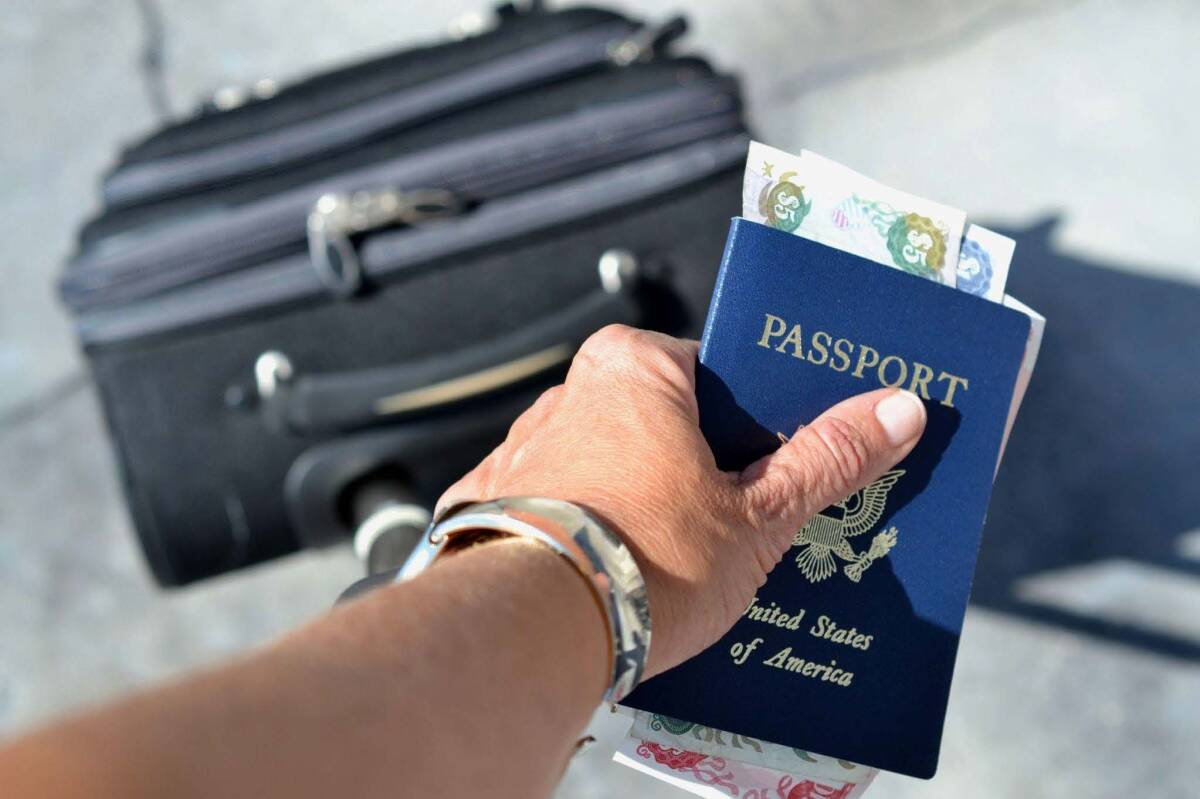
335,218
647,42
227,98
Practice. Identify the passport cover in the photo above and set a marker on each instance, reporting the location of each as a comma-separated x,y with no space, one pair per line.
848,649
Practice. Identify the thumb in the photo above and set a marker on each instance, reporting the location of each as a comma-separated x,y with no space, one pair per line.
844,449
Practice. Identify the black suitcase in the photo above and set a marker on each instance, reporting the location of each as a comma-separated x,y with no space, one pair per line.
362,279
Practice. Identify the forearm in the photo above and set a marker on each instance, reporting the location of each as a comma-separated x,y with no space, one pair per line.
483,671
479,674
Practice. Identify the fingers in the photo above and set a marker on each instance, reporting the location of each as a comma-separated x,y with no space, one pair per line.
469,486
844,449
536,414
626,350
617,364
681,350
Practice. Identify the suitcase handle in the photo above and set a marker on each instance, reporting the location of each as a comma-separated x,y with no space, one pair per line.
336,402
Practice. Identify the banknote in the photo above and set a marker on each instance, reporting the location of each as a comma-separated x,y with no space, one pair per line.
715,777
677,734
1033,345
816,198
983,262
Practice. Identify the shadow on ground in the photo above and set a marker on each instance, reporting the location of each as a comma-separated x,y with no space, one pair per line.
1104,462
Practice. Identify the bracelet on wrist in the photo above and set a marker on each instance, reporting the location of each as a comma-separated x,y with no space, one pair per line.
603,561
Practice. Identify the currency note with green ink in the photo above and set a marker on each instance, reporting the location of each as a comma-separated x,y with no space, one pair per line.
810,196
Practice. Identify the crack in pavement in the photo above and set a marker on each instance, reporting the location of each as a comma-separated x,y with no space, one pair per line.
153,58
43,402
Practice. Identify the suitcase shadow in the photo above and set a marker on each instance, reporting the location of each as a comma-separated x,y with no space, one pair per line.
1102,469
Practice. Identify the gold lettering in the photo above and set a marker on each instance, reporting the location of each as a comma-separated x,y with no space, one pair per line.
784,659
779,659
867,357
883,365
739,651
922,374
842,352
820,347
955,382
774,327
773,614
796,339
839,355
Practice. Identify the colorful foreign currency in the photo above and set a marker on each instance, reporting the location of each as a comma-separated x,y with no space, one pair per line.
716,777
810,196
983,262
684,735
709,762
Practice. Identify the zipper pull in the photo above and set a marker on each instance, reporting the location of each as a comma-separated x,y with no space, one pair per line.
335,218
228,98
647,42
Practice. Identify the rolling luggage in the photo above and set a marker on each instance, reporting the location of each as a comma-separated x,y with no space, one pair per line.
301,299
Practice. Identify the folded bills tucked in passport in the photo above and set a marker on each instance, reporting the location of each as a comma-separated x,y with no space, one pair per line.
838,286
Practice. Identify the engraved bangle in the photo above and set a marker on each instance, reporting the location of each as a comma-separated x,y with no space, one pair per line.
596,553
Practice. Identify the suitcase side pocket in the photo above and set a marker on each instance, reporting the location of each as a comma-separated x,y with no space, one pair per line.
341,401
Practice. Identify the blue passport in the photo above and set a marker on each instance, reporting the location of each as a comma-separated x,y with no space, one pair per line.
848,650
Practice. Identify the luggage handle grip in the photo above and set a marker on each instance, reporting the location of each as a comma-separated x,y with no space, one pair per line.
340,401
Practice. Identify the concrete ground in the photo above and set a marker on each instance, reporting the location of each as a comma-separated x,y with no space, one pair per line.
1011,110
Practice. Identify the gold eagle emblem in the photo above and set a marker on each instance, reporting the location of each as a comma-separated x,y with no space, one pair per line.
825,536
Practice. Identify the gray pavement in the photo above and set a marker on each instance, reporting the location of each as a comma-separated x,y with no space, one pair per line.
1011,110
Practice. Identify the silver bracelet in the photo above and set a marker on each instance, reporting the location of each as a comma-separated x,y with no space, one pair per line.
595,552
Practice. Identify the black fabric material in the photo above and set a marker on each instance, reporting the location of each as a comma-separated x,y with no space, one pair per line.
359,82
205,482
557,99
213,482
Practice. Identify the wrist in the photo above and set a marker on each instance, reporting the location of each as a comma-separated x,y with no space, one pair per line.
600,558
663,588
565,605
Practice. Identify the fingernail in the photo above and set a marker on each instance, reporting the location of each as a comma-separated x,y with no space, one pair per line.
902,416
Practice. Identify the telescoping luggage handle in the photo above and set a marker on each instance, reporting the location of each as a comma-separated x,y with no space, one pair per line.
336,402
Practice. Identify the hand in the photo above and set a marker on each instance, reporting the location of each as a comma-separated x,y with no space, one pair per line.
621,438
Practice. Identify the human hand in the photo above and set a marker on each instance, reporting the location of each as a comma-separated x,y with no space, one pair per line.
621,438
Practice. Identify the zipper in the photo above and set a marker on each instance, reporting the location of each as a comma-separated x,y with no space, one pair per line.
478,170
359,82
590,89
337,217
387,255
277,149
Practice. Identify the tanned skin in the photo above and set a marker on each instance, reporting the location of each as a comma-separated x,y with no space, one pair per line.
478,676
